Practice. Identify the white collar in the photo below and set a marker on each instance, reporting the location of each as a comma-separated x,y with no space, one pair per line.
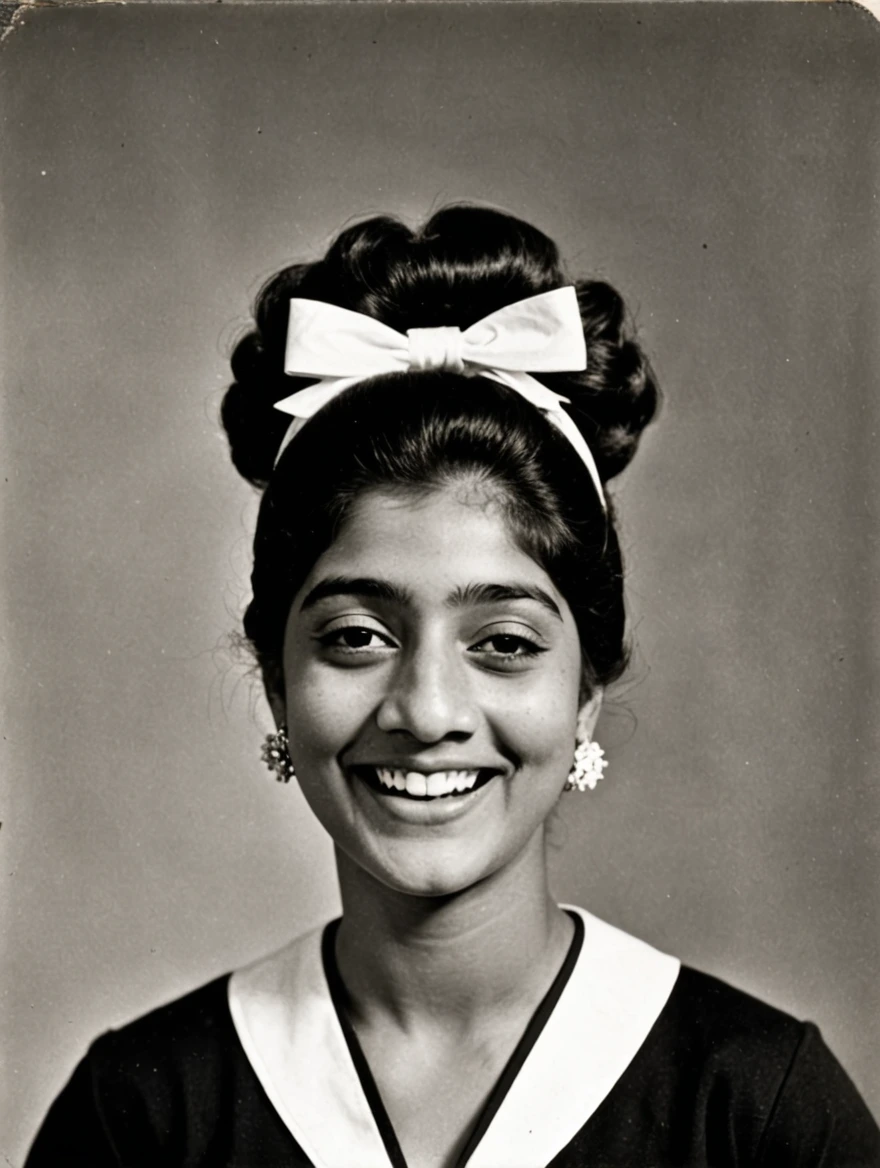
288,1026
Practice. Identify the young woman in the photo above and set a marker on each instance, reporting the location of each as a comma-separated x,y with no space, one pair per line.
437,609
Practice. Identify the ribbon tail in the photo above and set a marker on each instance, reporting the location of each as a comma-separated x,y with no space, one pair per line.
565,423
306,402
550,403
292,430
526,386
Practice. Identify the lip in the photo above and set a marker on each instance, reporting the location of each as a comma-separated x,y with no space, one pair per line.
368,775
423,812
425,766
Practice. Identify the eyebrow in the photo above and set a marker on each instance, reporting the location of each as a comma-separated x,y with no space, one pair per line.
498,593
370,588
365,587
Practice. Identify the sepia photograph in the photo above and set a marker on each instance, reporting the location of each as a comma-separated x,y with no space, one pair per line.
440,578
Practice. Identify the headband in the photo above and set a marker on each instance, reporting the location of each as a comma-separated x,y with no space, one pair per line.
542,334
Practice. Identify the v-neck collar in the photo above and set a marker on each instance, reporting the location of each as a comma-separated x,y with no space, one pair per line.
604,1001
505,1079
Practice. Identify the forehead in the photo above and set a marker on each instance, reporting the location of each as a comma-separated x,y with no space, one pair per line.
447,535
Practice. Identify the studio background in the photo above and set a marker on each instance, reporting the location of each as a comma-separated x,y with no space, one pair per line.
718,163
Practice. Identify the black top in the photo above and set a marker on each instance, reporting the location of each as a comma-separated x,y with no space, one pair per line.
721,1081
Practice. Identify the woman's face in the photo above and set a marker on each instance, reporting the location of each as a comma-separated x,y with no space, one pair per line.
432,673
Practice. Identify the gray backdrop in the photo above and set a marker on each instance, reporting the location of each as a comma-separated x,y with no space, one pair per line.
719,164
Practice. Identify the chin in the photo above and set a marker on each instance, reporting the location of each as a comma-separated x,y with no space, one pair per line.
439,877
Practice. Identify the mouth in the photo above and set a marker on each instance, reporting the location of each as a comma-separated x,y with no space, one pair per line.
424,786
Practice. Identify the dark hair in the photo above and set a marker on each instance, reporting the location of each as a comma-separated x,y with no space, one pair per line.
420,430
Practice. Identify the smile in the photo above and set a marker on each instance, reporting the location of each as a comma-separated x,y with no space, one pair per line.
411,784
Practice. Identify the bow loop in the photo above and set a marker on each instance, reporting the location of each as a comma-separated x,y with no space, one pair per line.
542,334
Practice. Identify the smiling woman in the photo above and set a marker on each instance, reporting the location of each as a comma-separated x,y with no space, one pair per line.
437,610
448,661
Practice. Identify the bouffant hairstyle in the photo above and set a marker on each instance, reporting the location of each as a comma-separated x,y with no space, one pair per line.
422,430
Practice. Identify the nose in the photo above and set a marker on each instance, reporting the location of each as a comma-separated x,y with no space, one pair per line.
429,698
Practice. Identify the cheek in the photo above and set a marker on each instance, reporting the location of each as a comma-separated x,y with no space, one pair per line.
320,723
313,718
325,709
539,723
545,737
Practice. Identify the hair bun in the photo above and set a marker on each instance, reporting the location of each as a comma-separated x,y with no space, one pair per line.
617,395
255,429
463,264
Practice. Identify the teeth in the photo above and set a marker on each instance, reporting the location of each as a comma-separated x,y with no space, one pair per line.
438,785
416,784
421,785
466,780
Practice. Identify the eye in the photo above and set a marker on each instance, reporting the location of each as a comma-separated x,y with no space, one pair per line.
355,639
505,647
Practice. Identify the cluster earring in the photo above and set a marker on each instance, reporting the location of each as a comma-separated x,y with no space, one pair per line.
586,770
276,756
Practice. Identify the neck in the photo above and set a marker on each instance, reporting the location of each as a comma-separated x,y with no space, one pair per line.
449,959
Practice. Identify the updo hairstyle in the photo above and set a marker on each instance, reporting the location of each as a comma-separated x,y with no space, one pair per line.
422,430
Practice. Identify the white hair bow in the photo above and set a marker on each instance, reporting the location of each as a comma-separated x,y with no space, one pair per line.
541,334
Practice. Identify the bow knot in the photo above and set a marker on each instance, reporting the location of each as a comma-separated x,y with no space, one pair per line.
436,348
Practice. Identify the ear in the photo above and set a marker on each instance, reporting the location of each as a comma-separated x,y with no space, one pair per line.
273,684
588,715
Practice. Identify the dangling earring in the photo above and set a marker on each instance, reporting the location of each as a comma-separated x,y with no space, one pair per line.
276,757
586,770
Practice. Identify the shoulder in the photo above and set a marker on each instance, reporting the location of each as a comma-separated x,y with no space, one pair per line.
710,1032
194,1027
193,1042
708,1014
131,1096
174,1086
738,1065
697,1023
153,1074
723,1078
